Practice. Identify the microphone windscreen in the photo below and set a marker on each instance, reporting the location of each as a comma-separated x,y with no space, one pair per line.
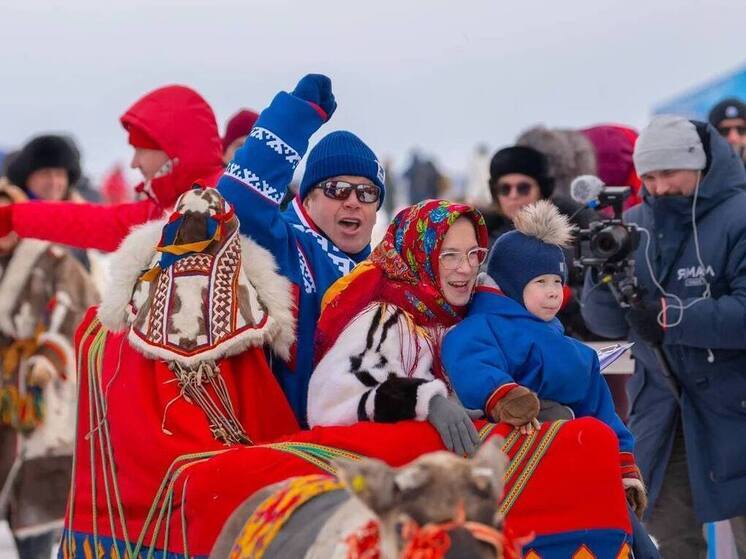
586,188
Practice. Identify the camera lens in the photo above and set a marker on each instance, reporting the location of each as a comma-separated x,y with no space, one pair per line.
611,243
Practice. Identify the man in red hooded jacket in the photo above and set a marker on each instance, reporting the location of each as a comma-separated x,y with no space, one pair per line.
176,141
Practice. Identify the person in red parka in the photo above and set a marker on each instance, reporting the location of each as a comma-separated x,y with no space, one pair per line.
236,130
176,141
614,144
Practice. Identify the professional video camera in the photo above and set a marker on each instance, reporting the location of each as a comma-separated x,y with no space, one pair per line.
608,244
607,247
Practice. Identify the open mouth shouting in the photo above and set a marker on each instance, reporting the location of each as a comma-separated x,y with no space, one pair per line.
349,225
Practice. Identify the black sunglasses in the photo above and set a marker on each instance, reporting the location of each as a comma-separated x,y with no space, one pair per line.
341,190
523,188
725,130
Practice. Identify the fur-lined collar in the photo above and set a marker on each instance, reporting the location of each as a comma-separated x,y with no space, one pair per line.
15,278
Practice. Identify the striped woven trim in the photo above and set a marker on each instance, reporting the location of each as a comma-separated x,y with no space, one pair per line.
524,464
318,455
510,441
485,431
264,524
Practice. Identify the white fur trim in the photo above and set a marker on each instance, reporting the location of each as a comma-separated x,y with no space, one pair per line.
132,257
62,306
34,359
370,404
135,255
274,290
425,393
233,346
38,529
485,280
62,343
14,279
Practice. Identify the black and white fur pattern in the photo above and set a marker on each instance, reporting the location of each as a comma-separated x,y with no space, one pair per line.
384,375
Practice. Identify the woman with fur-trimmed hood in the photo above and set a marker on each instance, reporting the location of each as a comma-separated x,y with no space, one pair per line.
44,292
511,350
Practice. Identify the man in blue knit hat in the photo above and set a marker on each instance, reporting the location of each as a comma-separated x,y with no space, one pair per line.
326,229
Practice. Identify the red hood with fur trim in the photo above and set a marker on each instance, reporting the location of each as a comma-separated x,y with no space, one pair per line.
179,120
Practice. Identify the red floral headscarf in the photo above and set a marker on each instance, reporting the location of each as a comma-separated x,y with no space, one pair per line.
402,270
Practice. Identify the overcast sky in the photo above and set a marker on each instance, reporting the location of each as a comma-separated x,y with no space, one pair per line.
442,75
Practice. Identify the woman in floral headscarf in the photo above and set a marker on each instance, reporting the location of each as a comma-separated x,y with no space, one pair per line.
378,338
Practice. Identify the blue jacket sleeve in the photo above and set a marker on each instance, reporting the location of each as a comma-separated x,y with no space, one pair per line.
598,403
474,362
713,323
601,312
257,179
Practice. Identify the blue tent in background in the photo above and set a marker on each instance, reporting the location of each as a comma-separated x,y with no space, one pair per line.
697,102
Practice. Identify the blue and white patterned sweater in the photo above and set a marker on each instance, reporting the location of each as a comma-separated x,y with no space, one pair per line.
255,183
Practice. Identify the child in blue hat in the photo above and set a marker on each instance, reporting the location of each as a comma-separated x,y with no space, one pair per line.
511,350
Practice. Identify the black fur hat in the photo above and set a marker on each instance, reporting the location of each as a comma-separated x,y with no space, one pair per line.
44,152
524,160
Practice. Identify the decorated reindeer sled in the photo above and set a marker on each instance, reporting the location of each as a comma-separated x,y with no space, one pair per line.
186,446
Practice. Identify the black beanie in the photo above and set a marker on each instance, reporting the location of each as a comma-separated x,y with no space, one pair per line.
44,152
727,108
524,160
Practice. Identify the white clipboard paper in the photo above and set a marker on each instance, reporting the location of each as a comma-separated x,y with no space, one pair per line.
607,355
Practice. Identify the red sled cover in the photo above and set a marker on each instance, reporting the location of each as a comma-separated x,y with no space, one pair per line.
137,489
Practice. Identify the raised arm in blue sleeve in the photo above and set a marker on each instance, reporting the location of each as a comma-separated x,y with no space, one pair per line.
257,179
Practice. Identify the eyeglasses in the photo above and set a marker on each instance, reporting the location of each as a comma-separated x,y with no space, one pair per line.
340,190
505,188
451,260
725,130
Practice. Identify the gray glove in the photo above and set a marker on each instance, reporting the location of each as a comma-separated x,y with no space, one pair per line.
454,426
551,411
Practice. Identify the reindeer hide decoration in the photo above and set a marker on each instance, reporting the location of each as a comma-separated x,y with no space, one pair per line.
189,292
